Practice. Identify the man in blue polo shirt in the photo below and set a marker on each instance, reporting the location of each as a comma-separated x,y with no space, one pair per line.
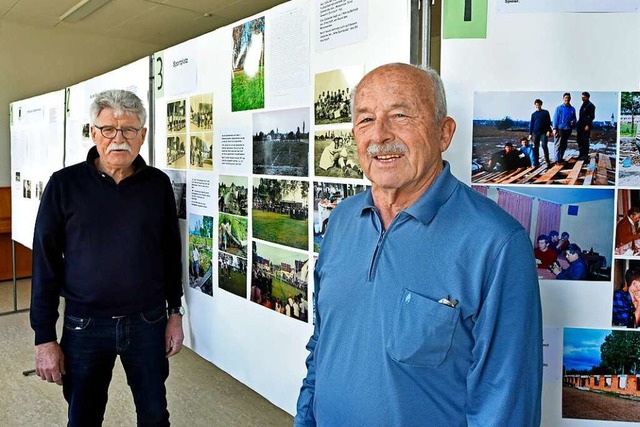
408,331
564,120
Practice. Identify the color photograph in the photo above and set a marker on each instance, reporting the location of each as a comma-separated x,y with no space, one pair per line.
247,83
200,253
570,228
326,196
629,159
279,279
543,138
627,241
599,378
336,155
281,142
233,193
625,310
280,212
232,274
332,94
232,234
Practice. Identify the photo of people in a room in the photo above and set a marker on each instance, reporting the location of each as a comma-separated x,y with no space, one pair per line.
557,138
627,242
625,309
279,280
570,228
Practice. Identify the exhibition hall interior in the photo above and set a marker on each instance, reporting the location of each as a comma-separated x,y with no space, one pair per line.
249,123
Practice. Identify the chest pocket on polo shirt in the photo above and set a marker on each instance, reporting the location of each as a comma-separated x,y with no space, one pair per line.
421,331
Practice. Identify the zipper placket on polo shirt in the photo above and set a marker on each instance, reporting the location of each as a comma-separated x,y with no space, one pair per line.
380,242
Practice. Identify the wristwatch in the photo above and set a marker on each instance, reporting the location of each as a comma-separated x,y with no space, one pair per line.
176,310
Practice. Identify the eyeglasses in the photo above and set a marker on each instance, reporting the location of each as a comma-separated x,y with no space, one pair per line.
110,132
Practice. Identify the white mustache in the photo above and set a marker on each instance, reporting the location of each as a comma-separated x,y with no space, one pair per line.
395,147
114,146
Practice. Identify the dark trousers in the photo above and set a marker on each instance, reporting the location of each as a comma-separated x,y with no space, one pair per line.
90,347
562,139
583,137
537,138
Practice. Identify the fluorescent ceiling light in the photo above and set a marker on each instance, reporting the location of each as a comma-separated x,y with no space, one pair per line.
82,9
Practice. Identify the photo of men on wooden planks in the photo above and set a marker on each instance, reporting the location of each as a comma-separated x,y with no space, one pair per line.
280,212
335,154
629,158
281,142
201,112
600,374
552,137
570,228
627,241
332,94
326,196
232,274
279,279
247,82
233,193
200,252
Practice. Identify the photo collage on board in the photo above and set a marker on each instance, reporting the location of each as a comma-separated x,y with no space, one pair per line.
566,165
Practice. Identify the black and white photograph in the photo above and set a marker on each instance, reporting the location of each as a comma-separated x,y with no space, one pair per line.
201,151
201,112
176,116
281,142
332,94
336,154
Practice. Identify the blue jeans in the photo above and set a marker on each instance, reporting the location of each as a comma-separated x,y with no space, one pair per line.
90,347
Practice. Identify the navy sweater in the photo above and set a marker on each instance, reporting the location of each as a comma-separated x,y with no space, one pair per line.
109,249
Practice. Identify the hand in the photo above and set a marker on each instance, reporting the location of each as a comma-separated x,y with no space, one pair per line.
529,138
50,362
586,128
173,335
555,132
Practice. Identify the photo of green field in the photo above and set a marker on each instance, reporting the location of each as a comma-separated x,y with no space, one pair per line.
279,280
247,83
280,212
232,274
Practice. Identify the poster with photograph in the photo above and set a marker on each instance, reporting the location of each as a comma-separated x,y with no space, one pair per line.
233,194
629,158
542,138
336,154
280,211
332,94
279,280
247,82
625,307
37,150
570,228
200,253
600,380
179,184
281,142
627,238
176,134
326,197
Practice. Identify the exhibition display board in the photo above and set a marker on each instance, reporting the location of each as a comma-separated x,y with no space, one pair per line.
133,77
37,149
541,50
252,123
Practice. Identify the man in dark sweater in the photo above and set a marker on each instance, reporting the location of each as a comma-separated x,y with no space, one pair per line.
106,239
585,122
540,131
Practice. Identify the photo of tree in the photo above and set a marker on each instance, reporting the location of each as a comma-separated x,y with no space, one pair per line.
280,211
233,193
247,83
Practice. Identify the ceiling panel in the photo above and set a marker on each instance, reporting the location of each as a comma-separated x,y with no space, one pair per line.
38,13
202,6
240,10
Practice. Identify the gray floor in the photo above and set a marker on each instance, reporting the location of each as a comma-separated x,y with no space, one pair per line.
199,394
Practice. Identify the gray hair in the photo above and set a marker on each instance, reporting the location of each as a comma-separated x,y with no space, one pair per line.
440,100
122,101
